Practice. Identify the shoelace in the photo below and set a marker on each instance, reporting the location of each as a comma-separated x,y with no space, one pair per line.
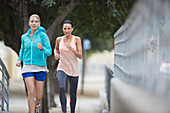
37,108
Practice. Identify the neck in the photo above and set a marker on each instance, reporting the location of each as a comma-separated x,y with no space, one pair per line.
33,31
67,37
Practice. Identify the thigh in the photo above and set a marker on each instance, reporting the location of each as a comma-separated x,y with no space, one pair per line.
39,82
29,81
39,85
62,77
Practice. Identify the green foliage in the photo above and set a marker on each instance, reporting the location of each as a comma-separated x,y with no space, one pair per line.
48,3
92,22
96,20
119,9
13,0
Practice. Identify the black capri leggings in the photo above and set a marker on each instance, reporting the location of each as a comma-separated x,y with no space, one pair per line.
73,83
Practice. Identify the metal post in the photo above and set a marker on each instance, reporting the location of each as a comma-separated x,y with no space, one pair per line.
8,95
83,70
5,89
3,82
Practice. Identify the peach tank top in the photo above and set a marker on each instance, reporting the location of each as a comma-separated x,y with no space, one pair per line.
68,61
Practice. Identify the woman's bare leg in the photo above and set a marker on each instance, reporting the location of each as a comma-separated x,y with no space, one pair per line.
31,93
39,85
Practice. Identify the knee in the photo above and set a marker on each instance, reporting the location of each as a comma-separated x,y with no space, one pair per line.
62,89
31,93
38,98
73,95
39,95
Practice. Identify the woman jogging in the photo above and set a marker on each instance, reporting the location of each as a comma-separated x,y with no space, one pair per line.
67,49
35,47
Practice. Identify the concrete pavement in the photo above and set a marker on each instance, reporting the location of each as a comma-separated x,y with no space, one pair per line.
89,102
85,104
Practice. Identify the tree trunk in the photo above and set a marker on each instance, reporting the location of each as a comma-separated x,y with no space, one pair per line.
44,108
12,38
24,24
51,30
53,82
11,33
24,15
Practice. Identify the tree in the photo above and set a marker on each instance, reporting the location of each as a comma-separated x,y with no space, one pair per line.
96,20
119,11
91,21
14,22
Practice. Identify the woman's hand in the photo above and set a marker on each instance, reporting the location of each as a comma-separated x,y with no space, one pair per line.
18,63
57,56
39,46
69,46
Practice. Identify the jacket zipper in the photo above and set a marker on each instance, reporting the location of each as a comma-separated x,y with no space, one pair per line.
31,51
43,56
31,48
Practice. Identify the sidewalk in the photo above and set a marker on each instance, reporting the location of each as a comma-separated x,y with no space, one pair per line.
87,103
84,105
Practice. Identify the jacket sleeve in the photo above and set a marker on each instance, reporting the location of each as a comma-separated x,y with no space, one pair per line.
47,50
21,50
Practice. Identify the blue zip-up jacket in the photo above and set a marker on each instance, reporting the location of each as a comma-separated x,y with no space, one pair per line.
29,53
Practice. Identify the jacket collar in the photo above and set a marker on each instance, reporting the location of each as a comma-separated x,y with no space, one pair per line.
40,29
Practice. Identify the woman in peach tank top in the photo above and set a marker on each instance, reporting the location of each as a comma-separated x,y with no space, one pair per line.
67,49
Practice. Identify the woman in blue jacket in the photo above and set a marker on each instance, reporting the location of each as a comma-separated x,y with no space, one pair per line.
35,47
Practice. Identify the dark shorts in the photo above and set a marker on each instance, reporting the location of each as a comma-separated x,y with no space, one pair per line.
39,76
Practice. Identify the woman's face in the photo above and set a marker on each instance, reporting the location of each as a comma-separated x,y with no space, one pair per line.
67,29
34,23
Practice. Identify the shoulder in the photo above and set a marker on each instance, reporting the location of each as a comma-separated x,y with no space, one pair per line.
24,36
77,38
43,34
58,39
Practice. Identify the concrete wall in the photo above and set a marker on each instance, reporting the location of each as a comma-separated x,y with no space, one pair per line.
9,58
142,59
128,98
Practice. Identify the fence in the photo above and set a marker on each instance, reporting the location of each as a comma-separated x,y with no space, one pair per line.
142,47
108,76
4,91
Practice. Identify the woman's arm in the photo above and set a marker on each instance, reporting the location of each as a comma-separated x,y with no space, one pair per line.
21,50
46,48
56,49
